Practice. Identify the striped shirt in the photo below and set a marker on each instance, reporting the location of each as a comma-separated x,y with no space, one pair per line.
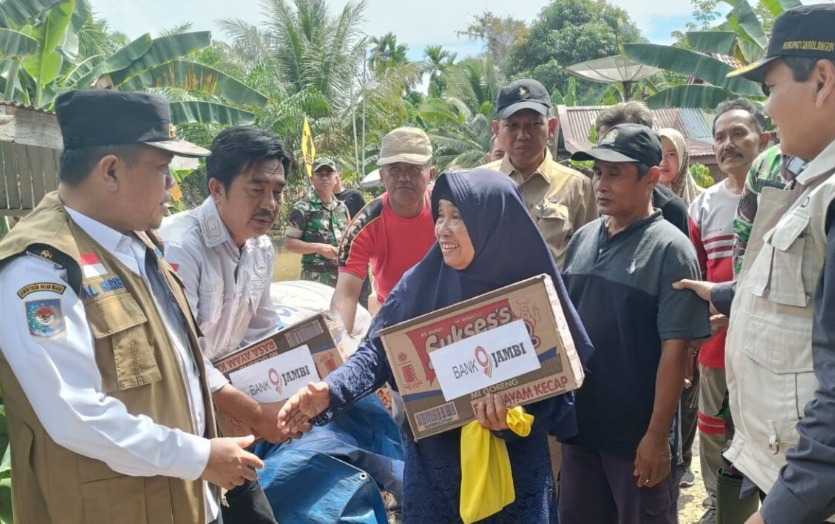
712,233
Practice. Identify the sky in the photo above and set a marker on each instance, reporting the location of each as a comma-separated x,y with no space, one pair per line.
416,23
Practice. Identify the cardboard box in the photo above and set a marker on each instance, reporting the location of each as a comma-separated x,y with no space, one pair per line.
271,370
513,341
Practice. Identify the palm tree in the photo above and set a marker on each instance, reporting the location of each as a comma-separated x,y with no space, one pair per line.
437,61
476,83
306,60
313,49
386,53
458,123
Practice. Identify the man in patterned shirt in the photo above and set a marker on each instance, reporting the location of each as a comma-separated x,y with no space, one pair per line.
770,169
317,224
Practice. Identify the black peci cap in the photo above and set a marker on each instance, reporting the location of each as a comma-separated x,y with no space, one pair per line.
626,143
103,117
805,31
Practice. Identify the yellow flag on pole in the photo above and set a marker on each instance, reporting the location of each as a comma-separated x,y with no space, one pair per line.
308,148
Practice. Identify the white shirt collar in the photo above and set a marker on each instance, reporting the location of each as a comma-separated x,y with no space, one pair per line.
211,225
214,231
121,246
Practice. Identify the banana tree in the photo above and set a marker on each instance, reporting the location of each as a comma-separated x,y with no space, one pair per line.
55,66
745,42
153,64
17,41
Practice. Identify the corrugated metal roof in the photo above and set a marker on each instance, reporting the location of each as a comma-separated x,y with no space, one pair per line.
576,124
730,60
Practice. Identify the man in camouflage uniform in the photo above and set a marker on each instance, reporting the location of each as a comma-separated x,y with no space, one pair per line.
317,224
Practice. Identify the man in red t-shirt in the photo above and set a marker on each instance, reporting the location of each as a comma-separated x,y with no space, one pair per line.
394,231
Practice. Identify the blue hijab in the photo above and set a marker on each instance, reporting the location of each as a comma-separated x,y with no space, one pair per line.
508,248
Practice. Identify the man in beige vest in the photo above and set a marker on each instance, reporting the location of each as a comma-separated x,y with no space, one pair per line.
780,348
109,410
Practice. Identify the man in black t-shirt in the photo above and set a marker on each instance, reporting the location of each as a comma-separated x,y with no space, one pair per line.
352,197
619,272
354,201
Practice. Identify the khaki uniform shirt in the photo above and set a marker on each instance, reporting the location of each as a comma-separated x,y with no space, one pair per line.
560,200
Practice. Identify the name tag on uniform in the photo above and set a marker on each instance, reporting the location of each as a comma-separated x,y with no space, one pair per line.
98,287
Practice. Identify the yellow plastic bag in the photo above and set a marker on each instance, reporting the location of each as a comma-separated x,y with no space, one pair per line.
486,477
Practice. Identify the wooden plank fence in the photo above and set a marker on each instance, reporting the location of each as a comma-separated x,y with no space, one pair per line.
28,173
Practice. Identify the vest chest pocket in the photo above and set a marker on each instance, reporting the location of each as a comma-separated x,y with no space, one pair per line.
778,270
123,353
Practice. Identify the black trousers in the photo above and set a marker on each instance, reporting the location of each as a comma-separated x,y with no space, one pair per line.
246,504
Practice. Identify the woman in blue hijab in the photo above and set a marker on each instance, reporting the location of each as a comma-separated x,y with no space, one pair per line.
499,245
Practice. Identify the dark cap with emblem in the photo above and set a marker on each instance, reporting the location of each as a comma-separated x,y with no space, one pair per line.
806,31
104,117
626,143
525,93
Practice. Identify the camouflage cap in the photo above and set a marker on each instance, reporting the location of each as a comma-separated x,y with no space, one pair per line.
325,162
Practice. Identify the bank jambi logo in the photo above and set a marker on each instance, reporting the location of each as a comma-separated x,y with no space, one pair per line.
483,359
275,380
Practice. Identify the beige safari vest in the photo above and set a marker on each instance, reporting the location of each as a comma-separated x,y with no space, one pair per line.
768,355
52,484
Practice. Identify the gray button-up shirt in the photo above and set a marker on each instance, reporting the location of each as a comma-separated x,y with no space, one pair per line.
227,287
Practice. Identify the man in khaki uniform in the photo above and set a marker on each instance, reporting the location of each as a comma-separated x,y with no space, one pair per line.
560,199
109,411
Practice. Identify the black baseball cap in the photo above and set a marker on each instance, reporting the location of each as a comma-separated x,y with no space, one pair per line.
805,31
325,162
105,117
525,93
626,143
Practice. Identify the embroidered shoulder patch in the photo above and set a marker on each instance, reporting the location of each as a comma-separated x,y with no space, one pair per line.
41,286
45,317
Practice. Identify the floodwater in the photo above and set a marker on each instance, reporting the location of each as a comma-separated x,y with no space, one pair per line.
288,266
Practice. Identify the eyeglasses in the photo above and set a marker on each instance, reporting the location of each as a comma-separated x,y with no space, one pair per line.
410,169
766,89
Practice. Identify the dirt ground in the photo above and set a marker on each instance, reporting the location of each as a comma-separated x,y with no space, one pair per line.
690,507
